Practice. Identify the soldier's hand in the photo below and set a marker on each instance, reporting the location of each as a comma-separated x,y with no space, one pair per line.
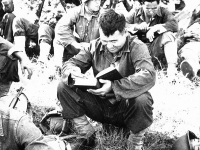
26,66
106,88
142,26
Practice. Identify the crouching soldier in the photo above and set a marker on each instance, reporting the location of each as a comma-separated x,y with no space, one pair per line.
131,103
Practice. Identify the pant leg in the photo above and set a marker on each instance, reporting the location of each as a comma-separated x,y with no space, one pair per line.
26,131
135,113
4,88
76,103
46,34
139,113
7,27
157,48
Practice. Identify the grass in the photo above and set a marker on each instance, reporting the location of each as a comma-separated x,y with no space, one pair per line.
176,108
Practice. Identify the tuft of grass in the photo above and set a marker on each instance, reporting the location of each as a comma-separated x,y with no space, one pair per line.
158,141
111,141
116,140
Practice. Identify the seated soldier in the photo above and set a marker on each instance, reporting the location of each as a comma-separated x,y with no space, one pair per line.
155,25
46,35
28,35
131,104
18,132
82,20
9,56
33,37
7,20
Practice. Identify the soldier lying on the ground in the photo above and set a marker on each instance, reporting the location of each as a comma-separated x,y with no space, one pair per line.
190,52
18,132
188,42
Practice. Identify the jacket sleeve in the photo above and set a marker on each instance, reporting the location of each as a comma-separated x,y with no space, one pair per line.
83,60
8,62
130,23
4,46
142,80
170,23
64,28
7,49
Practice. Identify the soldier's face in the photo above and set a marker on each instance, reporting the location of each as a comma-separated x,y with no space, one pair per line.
114,42
151,8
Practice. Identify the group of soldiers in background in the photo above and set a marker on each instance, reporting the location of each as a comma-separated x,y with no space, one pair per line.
41,39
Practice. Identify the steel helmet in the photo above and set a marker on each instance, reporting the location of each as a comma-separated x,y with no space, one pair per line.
184,142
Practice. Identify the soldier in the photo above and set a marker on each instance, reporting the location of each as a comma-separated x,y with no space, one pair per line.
154,25
17,131
9,56
131,104
83,20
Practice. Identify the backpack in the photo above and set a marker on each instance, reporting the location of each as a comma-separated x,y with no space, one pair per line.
51,123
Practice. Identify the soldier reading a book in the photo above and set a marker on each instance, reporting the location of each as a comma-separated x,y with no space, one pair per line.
131,105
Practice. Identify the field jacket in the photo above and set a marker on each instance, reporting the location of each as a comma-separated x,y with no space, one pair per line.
163,17
8,64
86,30
133,62
18,132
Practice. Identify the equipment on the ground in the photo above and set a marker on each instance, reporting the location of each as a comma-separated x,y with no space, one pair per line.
51,123
20,101
185,142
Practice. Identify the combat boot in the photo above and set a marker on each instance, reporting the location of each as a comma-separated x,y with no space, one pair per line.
135,141
66,128
83,136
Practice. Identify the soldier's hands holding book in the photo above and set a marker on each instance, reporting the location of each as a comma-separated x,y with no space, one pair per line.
105,89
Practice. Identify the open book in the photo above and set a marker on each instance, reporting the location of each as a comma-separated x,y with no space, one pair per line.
109,73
